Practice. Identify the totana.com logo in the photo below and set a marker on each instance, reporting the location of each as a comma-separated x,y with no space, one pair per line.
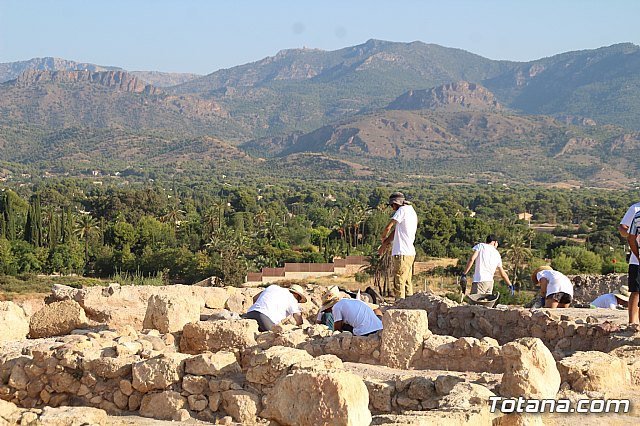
522,405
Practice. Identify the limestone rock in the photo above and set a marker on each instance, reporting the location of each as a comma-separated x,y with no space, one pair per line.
57,319
197,402
159,372
594,371
169,314
265,367
517,419
71,416
214,336
212,364
306,398
445,383
13,322
380,395
242,406
321,363
9,413
163,405
402,337
530,370
119,306
238,300
216,298
194,385
464,395
110,368
631,356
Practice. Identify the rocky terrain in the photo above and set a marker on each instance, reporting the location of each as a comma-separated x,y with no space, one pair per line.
118,355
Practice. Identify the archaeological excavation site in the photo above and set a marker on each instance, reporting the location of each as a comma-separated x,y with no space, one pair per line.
144,355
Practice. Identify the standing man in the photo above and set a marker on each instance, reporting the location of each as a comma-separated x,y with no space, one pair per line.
405,220
487,260
632,281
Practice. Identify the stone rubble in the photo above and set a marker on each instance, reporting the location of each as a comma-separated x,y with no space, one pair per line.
104,351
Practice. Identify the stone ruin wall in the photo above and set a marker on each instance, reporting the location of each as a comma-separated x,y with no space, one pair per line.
561,336
586,288
213,369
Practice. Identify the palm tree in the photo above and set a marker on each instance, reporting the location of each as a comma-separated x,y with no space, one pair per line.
518,254
86,226
211,220
174,216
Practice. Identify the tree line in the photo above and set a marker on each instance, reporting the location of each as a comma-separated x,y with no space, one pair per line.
186,231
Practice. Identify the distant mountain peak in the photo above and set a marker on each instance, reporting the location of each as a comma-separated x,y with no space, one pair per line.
119,80
461,95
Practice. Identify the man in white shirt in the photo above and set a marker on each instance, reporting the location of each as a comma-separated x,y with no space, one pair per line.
555,287
613,300
352,315
487,259
274,304
405,221
632,281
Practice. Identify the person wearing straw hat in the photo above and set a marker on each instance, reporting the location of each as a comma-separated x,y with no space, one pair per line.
405,221
326,317
352,315
555,287
274,304
613,300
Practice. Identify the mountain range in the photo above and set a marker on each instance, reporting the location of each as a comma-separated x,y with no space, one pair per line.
423,109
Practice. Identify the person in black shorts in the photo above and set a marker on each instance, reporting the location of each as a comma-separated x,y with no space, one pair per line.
634,285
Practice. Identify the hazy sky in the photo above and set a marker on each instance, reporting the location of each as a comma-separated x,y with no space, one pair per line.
203,36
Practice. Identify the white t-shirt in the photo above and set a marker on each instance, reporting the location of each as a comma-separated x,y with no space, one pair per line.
405,232
358,315
486,263
277,303
558,282
627,220
607,301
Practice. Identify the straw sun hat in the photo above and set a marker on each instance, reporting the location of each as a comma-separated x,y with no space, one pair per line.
534,275
622,293
330,298
299,291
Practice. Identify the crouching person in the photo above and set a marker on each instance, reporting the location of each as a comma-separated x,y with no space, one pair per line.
274,304
555,287
351,315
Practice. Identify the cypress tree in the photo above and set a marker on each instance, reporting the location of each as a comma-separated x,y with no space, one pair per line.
28,227
33,228
9,218
37,217
67,225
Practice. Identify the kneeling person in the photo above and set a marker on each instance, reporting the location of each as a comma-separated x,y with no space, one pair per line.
274,304
555,287
352,315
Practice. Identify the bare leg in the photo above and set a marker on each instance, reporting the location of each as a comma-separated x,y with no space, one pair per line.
563,305
549,302
634,298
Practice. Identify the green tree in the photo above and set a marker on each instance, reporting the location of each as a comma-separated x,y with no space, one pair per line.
33,232
86,227
517,254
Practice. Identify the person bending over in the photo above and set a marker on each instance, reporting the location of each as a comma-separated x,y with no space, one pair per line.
619,298
555,287
352,315
274,304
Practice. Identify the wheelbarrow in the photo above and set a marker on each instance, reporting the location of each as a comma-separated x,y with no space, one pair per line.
486,300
